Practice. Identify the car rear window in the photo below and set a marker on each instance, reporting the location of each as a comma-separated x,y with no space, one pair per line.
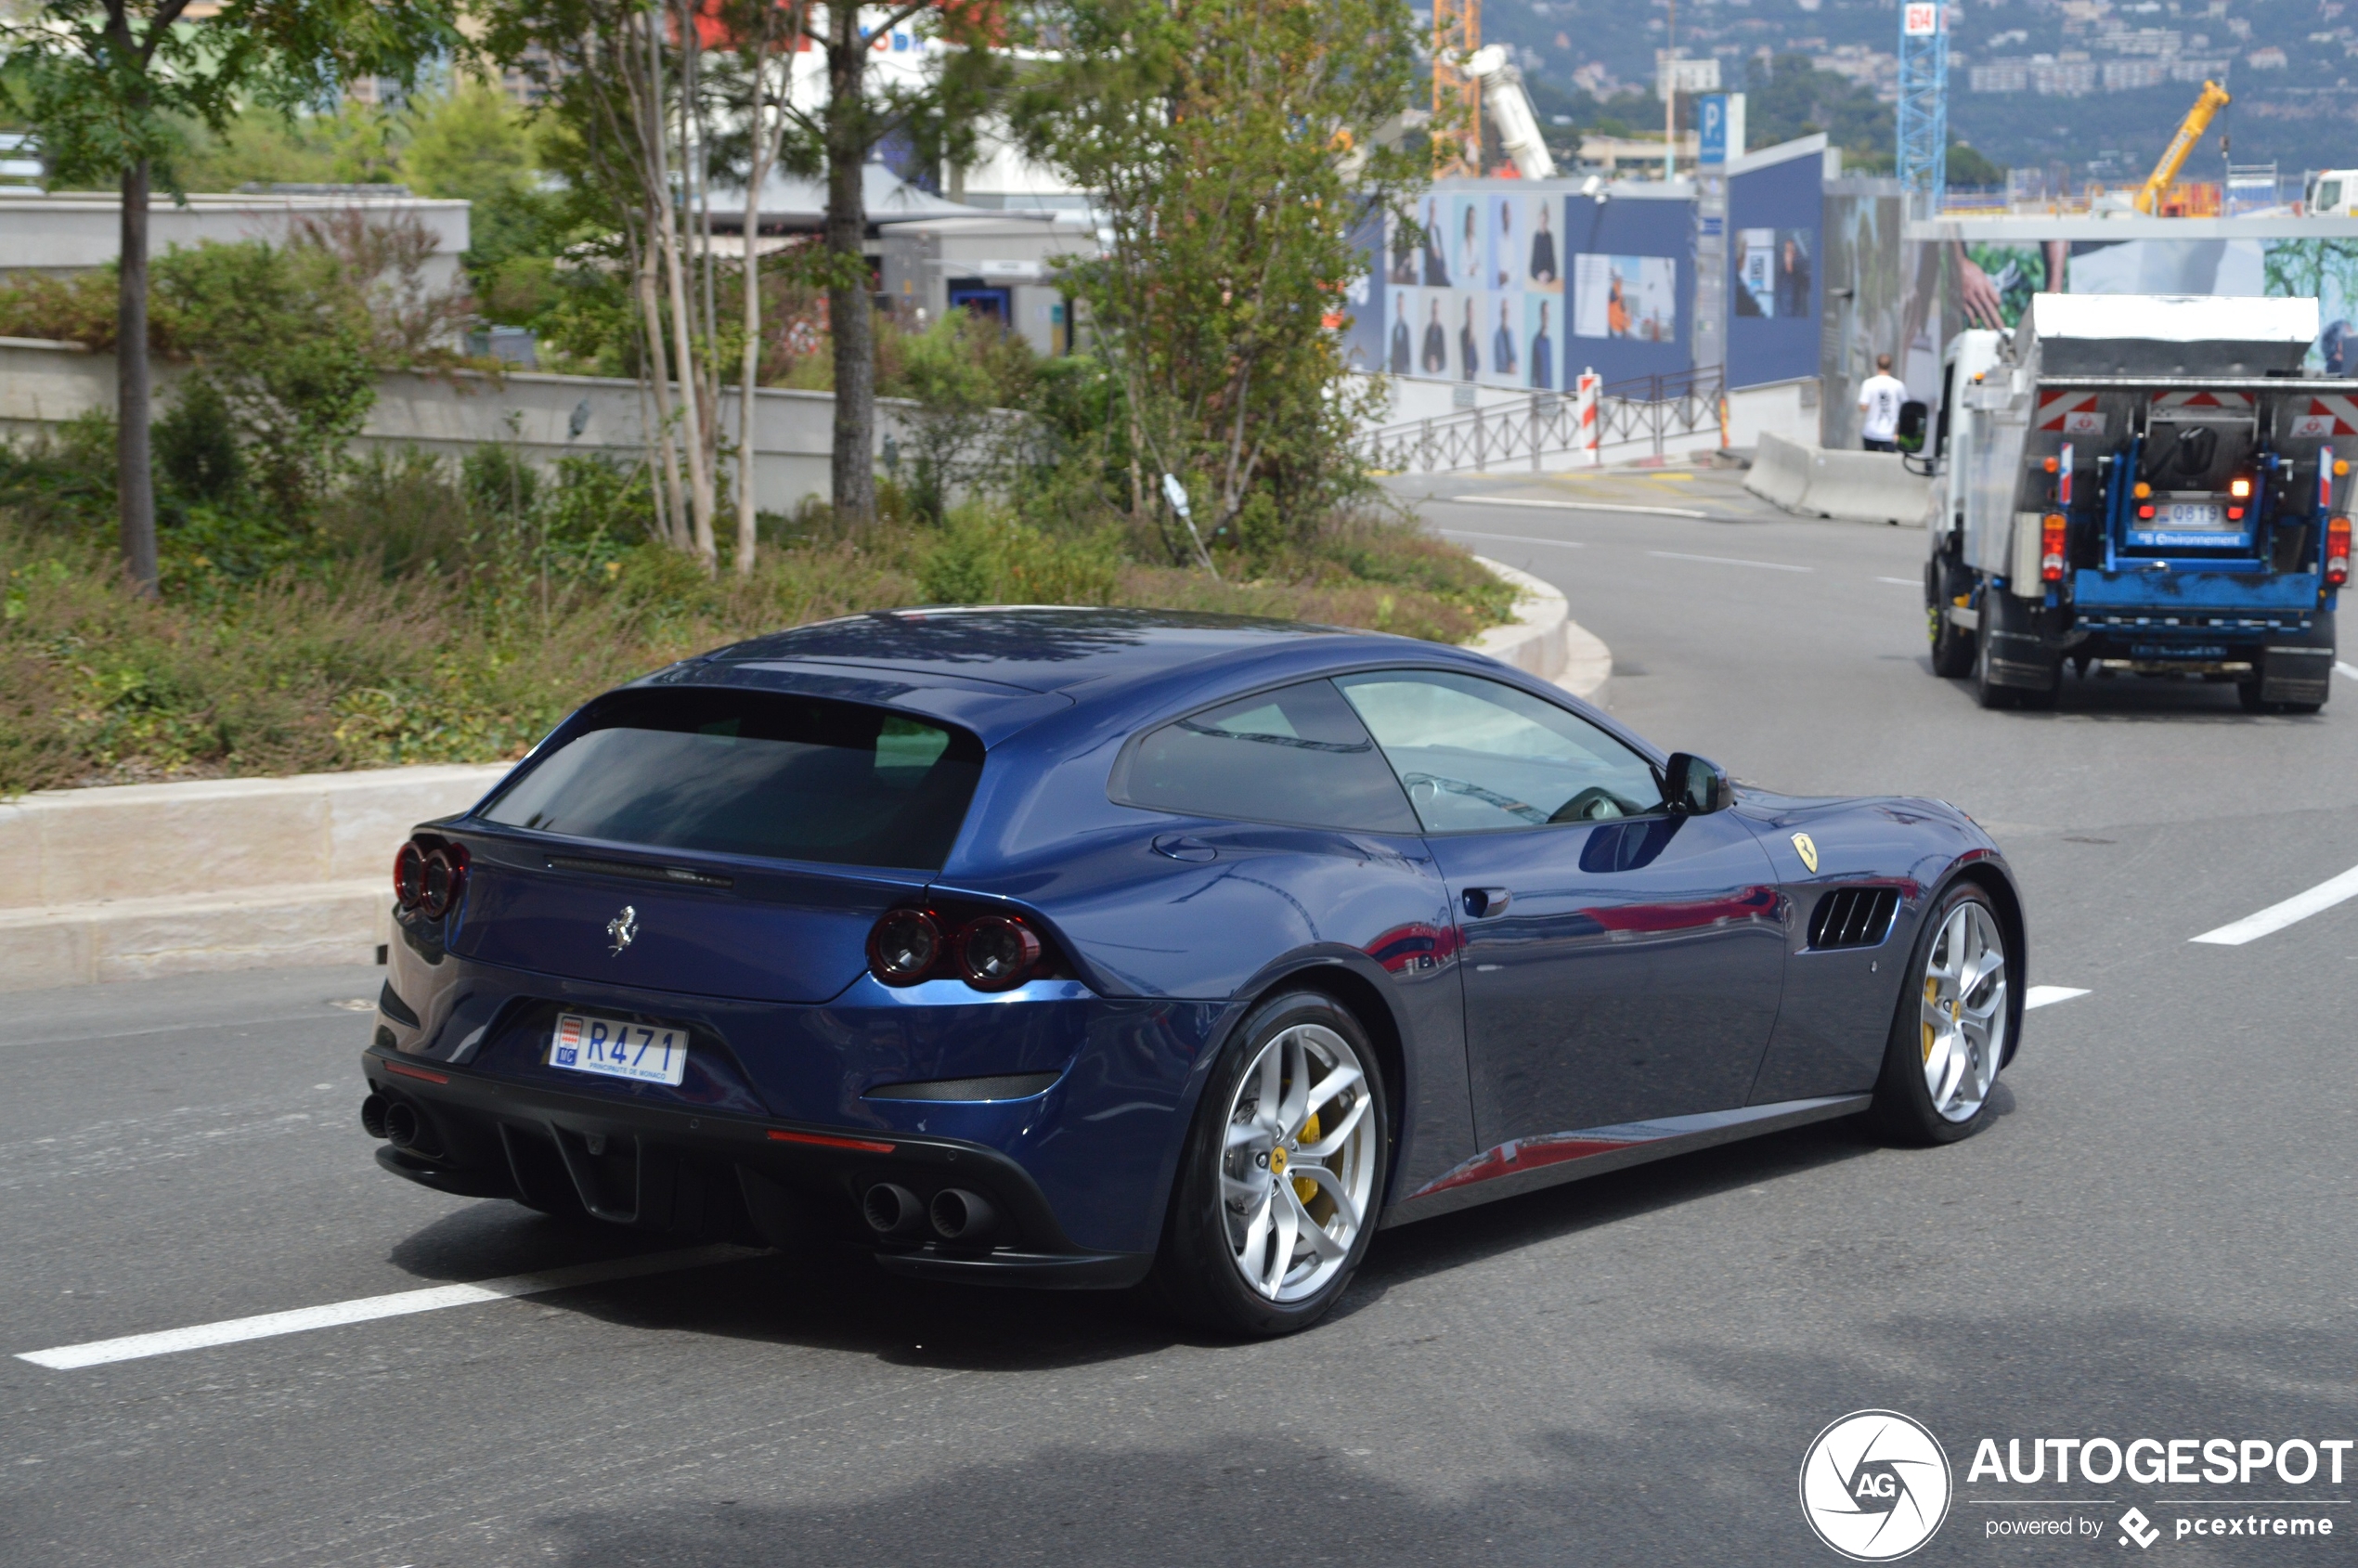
755,773
1296,756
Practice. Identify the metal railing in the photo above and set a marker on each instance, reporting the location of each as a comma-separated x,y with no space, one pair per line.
1650,410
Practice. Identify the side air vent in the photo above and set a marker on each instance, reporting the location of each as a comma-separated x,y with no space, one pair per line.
1853,917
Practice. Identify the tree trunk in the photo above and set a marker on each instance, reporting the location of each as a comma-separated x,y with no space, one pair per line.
849,317
676,528
748,518
134,478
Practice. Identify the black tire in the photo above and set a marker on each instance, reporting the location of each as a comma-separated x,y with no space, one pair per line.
2006,624
1952,645
1903,1109
1196,1274
1988,692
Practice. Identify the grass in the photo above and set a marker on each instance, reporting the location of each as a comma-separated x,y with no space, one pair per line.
412,624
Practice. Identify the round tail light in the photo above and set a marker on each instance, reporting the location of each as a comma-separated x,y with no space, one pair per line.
996,951
410,876
904,946
445,880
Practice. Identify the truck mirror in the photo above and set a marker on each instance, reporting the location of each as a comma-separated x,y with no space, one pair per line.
1910,435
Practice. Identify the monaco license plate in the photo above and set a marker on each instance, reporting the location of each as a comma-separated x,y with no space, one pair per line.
610,1048
2190,515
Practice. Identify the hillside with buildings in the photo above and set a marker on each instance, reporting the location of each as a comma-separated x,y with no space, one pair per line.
2075,88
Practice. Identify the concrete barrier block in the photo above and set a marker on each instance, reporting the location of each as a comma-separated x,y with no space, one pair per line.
1780,471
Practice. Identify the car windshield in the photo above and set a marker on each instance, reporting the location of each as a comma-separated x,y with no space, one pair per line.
753,774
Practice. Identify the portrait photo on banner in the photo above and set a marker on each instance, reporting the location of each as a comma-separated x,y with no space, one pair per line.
1540,327
1634,297
1773,272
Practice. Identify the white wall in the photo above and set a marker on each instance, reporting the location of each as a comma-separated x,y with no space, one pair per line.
74,231
42,383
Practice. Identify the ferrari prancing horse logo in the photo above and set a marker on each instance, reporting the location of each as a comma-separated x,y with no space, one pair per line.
1808,848
622,930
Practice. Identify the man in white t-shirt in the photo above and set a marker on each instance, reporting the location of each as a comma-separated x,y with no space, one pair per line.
1879,400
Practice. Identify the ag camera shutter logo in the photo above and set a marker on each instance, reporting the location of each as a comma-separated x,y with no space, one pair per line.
1874,1485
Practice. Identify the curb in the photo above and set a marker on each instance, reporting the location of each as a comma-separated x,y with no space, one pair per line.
1544,639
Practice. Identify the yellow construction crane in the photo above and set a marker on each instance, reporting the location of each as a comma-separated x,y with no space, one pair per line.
1456,96
2214,99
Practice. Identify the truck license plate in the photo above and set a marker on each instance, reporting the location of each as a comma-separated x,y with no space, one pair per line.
613,1049
2190,515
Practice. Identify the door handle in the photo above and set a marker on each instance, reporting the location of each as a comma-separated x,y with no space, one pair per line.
1484,902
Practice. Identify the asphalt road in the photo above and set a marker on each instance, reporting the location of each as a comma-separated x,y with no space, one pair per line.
2156,1237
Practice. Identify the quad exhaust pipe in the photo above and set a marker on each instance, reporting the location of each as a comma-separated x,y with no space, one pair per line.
372,1116
960,1215
954,1214
892,1209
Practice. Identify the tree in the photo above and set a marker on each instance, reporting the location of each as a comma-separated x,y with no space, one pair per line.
935,116
1230,144
106,83
1790,97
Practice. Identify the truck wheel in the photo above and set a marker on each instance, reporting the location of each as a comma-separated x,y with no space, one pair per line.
1987,692
2294,668
1952,645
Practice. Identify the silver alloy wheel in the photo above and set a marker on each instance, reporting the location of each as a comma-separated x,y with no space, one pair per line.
1298,1169
1962,1017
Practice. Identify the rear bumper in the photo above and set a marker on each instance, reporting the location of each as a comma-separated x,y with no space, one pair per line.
727,1176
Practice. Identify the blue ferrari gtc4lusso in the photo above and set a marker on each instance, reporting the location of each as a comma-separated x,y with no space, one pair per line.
1097,947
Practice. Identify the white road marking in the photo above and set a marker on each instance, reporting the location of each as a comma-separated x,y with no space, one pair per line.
1573,506
1730,561
2344,667
2039,995
2276,918
1903,582
1518,539
133,1347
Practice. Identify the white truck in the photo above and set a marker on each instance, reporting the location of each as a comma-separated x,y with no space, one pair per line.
2138,485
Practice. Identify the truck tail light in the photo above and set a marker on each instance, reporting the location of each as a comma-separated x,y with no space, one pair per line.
2051,548
2239,488
2338,552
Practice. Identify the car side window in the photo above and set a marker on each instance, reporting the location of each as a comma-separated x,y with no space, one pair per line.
1476,754
1297,756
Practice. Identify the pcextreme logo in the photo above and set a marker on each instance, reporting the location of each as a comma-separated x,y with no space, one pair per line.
1874,1485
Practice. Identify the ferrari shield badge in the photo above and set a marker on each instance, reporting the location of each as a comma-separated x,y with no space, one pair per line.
1806,848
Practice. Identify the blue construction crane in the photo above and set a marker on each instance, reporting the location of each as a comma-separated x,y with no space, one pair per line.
1923,102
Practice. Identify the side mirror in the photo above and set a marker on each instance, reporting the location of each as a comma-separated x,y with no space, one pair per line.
1910,435
1696,787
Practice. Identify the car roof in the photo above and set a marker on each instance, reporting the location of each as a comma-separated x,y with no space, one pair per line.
1034,648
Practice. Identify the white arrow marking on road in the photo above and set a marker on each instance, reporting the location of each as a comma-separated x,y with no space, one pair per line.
2039,995
367,1309
2345,669
1573,506
1903,582
2276,918
1730,561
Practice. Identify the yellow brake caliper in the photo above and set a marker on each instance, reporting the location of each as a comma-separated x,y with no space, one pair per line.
1932,997
1304,1188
